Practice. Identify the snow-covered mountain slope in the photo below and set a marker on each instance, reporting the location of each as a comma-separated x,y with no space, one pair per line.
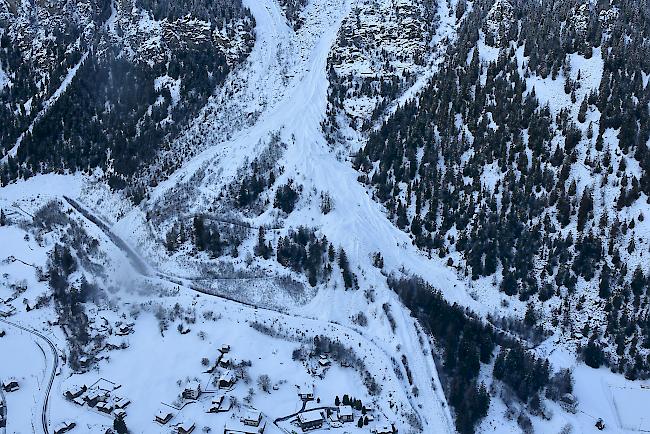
278,218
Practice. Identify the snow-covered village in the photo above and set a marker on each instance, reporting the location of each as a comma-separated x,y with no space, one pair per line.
341,216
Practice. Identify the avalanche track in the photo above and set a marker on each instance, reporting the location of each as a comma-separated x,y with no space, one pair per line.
285,83
282,89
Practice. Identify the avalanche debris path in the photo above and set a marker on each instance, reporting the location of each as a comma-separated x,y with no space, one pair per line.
285,84
296,107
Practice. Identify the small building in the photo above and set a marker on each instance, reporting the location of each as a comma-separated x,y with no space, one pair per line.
192,390
185,427
2,333
227,380
346,414
6,310
75,391
220,403
64,427
163,416
323,361
30,304
225,362
10,385
122,403
104,407
124,329
120,413
305,391
309,420
95,396
225,348
383,429
236,427
251,417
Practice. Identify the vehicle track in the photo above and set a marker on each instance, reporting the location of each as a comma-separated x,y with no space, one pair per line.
55,365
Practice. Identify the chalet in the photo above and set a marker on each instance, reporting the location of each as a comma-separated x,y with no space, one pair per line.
236,427
225,362
64,427
104,407
345,413
220,403
309,420
251,417
185,427
192,390
75,392
10,385
227,380
30,304
324,361
79,401
95,396
122,403
120,413
124,329
384,429
163,416
305,391
225,348
7,310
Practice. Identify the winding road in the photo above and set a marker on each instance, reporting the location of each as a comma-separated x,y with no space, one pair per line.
55,365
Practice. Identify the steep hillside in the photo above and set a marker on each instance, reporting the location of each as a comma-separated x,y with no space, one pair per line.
108,85
525,163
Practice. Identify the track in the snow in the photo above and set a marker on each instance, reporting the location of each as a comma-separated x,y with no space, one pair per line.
55,365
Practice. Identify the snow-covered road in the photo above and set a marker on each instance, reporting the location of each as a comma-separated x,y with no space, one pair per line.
45,391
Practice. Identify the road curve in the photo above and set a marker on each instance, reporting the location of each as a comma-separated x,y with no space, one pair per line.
55,365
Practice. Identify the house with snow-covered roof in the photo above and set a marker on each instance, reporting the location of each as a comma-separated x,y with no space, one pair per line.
305,391
311,419
227,380
163,416
345,413
192,390
10,385
251,417
185,427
